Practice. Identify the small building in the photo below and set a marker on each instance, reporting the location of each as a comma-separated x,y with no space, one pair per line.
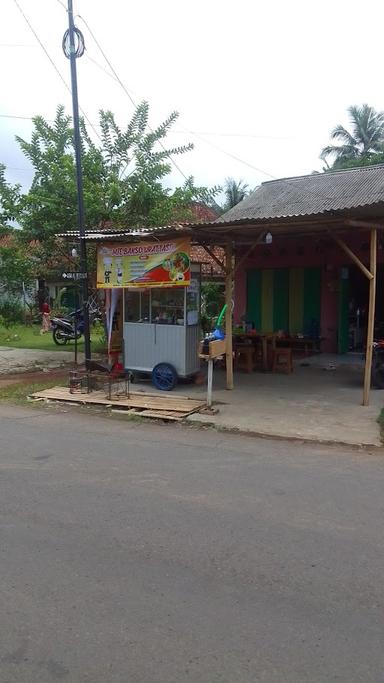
303,281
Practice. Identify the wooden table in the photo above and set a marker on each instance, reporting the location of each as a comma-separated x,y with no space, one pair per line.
264,338
305,344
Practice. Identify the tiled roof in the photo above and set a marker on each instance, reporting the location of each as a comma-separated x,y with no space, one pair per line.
314,194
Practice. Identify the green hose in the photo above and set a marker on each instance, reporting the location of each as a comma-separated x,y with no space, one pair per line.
221,316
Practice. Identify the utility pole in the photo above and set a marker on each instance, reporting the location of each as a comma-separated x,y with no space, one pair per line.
73,46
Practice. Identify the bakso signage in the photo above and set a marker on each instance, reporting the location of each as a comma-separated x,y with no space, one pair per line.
144,264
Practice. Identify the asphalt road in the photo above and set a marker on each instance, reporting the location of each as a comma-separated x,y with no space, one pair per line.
153,554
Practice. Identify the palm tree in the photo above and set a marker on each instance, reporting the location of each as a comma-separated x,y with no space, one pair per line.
234,192
367,136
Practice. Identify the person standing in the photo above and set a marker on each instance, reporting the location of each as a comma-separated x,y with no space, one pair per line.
46,323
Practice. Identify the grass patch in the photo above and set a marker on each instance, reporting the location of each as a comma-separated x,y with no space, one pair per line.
17,394
22,337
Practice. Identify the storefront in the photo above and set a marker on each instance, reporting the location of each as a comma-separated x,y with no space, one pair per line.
309,287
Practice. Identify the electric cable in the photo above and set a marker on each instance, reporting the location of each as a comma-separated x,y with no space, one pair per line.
128,93
53,63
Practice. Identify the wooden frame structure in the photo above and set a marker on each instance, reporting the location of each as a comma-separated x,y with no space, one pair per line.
248,234
241,237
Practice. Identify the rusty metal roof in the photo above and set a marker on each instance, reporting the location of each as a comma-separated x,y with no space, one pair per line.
318,193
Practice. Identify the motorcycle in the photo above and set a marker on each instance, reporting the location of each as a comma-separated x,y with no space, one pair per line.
377,375
69,328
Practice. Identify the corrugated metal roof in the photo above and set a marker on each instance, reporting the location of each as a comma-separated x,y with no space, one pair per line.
281,201
311,195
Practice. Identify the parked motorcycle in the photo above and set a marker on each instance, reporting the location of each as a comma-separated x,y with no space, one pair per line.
71,327
68,328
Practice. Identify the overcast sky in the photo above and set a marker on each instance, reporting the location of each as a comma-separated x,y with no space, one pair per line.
263,81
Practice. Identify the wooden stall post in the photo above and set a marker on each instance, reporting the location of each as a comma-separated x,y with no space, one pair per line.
371,318
228,312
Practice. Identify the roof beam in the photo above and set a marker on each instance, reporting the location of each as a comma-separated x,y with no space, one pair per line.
214,257
249,251
365,224
353,256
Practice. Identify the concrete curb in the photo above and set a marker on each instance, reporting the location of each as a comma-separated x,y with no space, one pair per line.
195,419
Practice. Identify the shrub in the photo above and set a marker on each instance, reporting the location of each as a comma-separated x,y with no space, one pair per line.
11,311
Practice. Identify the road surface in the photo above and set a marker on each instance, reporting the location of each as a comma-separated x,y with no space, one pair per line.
159,554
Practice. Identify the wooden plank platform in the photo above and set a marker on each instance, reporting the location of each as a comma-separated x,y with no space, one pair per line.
148,405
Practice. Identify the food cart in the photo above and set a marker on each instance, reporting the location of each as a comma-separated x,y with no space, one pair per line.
160,305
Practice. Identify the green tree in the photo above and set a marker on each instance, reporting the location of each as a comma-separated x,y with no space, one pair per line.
234,191
124,176
9,201
366,138
17,268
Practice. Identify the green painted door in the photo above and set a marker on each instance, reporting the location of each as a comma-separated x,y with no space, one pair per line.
254,298
343,327
281,300
312,301
286,299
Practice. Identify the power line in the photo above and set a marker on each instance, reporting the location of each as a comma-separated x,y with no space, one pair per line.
16,45
14,116
118,79
128,93
236,135
16,168
233,156
174,131
52,62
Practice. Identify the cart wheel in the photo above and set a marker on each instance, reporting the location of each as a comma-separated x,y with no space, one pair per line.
164,377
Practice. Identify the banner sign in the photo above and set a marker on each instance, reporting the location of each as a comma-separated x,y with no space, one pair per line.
144,264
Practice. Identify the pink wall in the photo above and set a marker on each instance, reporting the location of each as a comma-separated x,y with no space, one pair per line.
305,253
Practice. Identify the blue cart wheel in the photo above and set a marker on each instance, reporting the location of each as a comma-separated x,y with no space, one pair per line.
164,377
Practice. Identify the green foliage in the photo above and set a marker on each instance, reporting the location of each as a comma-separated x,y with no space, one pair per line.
11,312
362,144
367,160
123,177
17,267
9,202
212,301
234,191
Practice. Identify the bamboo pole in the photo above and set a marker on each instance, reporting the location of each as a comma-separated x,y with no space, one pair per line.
353,256
364,224
247,254
228,313
371,318
214,257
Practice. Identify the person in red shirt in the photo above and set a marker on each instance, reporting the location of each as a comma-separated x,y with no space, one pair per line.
46,323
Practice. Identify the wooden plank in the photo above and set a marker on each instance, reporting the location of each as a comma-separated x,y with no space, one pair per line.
141,401
371,318
364,224
100,395
132,394
161,415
